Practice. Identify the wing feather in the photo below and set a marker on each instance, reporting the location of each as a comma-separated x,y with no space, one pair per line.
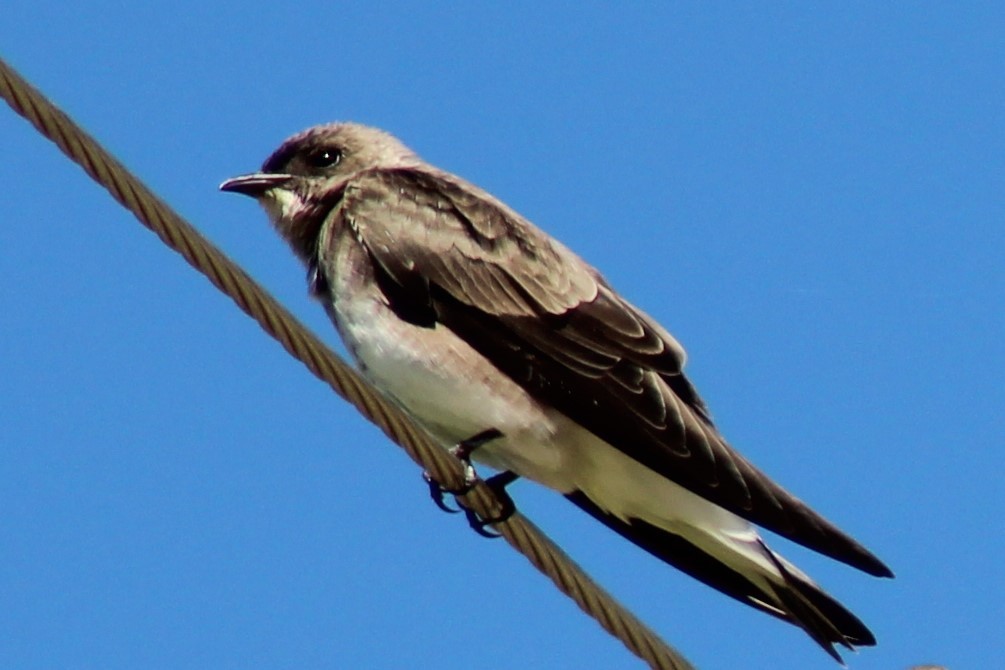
551,322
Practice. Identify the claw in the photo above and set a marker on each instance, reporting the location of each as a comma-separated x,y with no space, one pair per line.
480,525
436,493
498,483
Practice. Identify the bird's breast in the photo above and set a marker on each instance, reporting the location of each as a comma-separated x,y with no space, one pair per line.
440,380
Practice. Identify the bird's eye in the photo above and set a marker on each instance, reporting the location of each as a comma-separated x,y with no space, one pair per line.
323,158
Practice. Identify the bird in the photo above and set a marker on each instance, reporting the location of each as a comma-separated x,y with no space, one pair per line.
508,348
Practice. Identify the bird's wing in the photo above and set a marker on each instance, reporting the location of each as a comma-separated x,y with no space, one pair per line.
548,320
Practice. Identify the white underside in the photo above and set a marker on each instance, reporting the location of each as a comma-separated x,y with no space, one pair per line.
455,394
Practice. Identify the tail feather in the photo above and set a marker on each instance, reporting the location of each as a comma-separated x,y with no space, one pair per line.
792,597
820,616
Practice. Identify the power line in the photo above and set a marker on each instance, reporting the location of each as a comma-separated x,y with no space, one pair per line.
254,301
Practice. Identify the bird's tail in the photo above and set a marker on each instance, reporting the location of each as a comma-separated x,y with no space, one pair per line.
800,601
746,569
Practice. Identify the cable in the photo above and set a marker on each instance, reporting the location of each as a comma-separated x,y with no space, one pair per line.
176,233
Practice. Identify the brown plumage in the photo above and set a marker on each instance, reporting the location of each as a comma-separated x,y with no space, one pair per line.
454,268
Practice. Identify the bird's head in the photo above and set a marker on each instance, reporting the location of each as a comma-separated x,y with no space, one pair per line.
304,179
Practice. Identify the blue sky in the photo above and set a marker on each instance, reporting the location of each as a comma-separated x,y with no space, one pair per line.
810,198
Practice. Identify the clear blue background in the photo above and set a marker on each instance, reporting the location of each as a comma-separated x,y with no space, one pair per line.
811,198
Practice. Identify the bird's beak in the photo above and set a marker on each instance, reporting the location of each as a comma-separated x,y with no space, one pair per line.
256,184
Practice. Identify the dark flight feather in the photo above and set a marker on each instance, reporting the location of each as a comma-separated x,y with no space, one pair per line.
823,618
550,322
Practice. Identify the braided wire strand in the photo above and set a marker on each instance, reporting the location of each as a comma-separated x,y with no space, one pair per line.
300,343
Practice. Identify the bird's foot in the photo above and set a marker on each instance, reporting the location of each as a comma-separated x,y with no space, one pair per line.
498,484
462,451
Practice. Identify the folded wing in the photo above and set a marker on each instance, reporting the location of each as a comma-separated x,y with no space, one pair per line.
444,248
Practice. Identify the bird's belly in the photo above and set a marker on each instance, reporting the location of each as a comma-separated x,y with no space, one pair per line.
455,393
452,390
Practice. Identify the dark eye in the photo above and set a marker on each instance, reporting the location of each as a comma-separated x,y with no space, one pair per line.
323,158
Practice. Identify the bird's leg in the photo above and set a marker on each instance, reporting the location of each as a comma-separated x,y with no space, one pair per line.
462,451
498,483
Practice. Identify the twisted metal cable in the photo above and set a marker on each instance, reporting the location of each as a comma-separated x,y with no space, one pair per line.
176,233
